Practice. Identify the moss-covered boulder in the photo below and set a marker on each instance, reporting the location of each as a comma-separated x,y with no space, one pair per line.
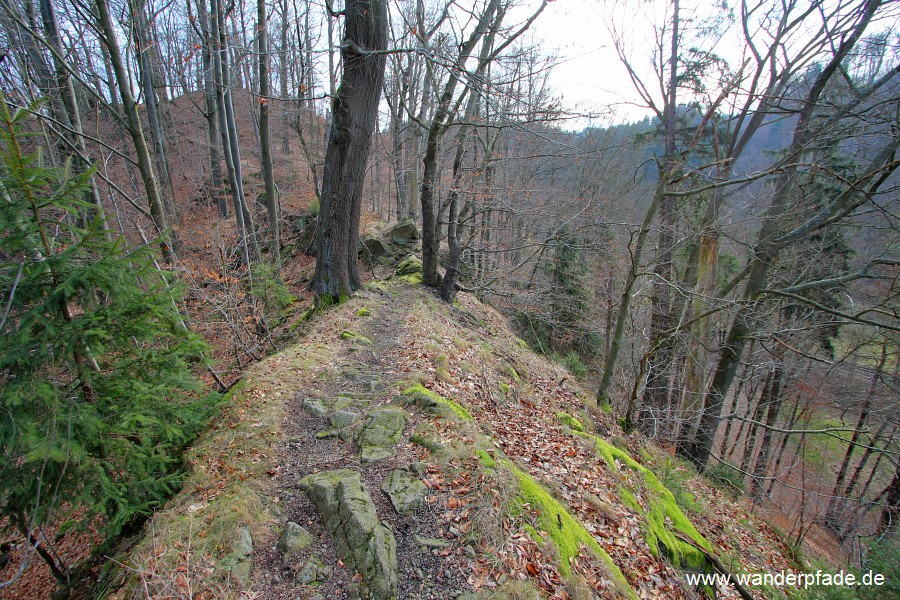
316,408
293,539
434,403
411,265
359,537
404,491
380,431
372,248
314,571
243,556
343,418
405,232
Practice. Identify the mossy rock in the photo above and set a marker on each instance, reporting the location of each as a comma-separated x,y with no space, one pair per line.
364,312
359,537
293,539
372,248
340,419
317,408
355,337
380,431
411,265
404,491
314,571
434,403
243,556
570,421
405,232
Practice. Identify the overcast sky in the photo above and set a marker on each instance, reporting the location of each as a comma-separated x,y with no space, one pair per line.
591,76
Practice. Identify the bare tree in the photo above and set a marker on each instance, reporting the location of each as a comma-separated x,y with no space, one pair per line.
354,110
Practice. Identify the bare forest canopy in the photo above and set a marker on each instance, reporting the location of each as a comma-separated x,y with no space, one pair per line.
181,178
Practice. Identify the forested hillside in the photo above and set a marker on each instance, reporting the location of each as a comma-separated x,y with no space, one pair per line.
271,268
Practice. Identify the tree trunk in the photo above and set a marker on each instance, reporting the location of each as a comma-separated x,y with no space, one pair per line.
833,514
891,512
615,344
354,112
444,113
228,133
773,405
765,253
135,129
660,361
143,41
265,143
211,114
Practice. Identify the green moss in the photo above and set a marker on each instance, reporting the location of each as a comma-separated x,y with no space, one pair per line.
412,279
425,397
566,533
409,270
504,387
513,374
629,500
429,444
570,421
660,508
355,337
364,312
484,458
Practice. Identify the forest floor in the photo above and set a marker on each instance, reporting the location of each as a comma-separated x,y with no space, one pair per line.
515,492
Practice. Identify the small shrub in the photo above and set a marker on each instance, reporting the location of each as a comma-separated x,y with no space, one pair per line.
726,477
573,363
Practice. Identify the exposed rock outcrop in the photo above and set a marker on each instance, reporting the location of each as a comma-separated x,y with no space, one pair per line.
359,537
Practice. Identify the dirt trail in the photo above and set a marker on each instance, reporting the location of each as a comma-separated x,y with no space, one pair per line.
364,376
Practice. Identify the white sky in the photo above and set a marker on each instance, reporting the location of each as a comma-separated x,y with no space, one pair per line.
591,77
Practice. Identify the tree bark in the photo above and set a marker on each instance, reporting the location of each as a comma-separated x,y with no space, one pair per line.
354,112
773,405
211,113
135,128
265,143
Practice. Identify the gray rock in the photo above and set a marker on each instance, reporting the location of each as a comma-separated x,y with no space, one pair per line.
315,407
293,539
404,232
244,554
343,418
372,248
381,430
405,492
241,571
410,265
428,542
359,537
314,571
244,543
